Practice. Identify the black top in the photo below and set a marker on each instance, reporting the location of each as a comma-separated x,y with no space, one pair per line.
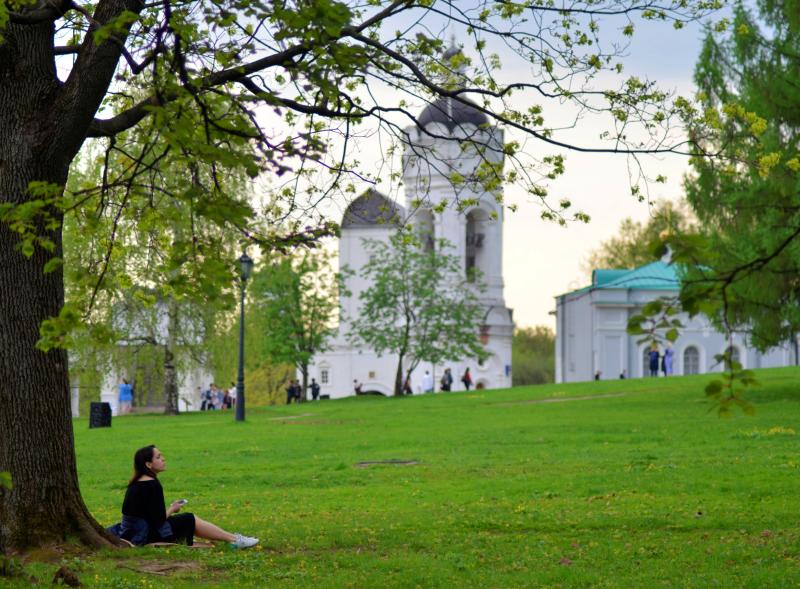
145,499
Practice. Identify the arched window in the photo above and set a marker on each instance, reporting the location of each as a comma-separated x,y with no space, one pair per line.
691,360
476,257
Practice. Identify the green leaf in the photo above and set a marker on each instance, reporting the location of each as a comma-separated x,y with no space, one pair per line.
714,388
52,265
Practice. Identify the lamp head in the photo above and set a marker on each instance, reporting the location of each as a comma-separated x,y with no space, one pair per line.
246,266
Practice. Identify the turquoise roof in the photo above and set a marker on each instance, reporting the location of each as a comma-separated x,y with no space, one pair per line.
654,276
600,277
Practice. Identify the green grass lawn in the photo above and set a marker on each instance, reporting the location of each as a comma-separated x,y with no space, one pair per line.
638,487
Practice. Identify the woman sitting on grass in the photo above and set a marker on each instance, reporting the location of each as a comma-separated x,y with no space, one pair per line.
145,519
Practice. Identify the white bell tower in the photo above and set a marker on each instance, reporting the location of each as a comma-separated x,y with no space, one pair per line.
452,144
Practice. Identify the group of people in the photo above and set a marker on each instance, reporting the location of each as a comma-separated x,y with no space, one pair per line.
445,383
216,398
655,359
294,391
666,359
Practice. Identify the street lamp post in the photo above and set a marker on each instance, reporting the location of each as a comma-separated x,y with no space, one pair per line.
246,266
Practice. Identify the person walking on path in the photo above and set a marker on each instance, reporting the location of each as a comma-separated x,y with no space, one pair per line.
125,397
205,399
653,355
666,361
447,380
427,383
314,386
467,379
407,386
146,519
211,395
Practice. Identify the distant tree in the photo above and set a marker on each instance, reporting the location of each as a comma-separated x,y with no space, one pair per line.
264,380
745,187
161,277
634,244
741,266
294,303
417,305
533,355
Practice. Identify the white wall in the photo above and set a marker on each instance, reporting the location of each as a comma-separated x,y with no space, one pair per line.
591,334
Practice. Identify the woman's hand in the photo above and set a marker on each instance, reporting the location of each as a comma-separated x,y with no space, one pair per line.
175,507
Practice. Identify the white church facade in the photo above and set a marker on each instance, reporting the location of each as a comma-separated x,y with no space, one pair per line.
592,341
451,137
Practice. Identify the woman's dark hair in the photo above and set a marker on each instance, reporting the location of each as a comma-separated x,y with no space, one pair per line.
140,460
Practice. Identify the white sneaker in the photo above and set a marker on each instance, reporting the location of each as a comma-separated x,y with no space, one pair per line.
244,541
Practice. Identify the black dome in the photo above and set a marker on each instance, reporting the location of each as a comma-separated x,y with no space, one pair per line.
371,208
452,113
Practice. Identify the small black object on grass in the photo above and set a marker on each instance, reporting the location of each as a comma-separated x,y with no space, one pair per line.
394,461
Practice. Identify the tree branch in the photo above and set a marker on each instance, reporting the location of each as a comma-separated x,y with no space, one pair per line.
129,118
42,12
88,82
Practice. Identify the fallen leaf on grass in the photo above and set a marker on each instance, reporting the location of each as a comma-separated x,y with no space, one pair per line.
157,568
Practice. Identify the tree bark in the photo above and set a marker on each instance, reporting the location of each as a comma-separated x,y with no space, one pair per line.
36,438
170,384
170,378
398,378
304,372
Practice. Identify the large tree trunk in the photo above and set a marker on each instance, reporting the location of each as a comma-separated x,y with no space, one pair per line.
36,439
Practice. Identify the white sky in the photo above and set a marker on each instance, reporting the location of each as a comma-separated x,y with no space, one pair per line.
541,259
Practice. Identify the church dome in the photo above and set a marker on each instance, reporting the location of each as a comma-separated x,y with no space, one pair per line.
451,113
372,208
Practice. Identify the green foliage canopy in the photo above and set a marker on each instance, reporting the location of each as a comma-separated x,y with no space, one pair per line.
294,300
743,266
533,355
